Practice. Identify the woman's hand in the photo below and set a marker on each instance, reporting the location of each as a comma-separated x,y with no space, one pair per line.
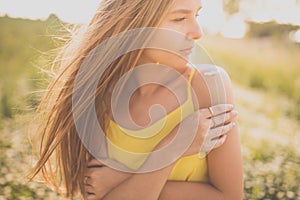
100,179
102,182
212,124
215,122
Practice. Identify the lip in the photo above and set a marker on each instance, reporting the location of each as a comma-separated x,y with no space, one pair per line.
187,51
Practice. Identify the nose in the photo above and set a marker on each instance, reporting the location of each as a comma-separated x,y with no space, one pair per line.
194,31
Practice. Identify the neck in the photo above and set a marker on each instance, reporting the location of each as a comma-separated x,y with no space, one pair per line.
153,77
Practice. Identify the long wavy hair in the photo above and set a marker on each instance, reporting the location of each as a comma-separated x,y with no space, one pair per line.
62,155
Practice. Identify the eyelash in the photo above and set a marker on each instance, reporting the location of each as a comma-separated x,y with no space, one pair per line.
179,19
182,19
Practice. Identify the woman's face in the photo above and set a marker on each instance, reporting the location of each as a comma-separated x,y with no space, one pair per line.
179,30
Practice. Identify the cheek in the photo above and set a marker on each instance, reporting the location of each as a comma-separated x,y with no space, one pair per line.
153,55
156,55
169,39
164,57
178,26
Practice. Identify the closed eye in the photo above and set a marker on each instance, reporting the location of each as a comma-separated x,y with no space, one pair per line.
179,19
95,166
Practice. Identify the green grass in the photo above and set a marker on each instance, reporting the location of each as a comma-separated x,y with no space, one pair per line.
22,45
261,64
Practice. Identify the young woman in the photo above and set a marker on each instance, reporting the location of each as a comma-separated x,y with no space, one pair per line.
140,154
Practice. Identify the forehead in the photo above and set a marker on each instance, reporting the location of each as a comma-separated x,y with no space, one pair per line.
186,4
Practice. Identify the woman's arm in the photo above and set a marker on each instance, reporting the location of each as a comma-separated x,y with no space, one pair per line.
175,190
112,184
138,186
224,163
180,190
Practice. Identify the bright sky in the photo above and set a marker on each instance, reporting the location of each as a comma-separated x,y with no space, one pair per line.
212,17
75,11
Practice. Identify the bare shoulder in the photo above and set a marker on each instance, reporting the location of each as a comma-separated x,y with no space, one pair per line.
211,85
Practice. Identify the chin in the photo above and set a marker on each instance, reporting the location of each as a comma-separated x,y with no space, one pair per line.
179,64
180,61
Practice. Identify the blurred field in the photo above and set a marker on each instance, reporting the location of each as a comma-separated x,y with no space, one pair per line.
266,77
23,45
270,65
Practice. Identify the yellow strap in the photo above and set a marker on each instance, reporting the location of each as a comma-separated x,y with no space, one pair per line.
190,84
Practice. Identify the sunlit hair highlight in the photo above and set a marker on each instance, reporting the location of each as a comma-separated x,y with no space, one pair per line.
63,157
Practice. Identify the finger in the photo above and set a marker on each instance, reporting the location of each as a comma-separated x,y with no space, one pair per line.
215,133
221,108
216,110
220,141
209,145
223,118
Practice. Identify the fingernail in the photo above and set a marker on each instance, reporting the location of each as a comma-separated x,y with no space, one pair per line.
224,138
235,112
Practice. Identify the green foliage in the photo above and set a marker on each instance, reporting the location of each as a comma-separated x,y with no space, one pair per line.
6,109
260,64
22,42
270,29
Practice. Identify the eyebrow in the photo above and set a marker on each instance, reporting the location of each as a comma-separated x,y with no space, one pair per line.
184,11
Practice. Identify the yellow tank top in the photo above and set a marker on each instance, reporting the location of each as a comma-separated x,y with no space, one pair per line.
124,143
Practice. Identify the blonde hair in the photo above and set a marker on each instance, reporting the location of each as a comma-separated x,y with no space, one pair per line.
63,157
